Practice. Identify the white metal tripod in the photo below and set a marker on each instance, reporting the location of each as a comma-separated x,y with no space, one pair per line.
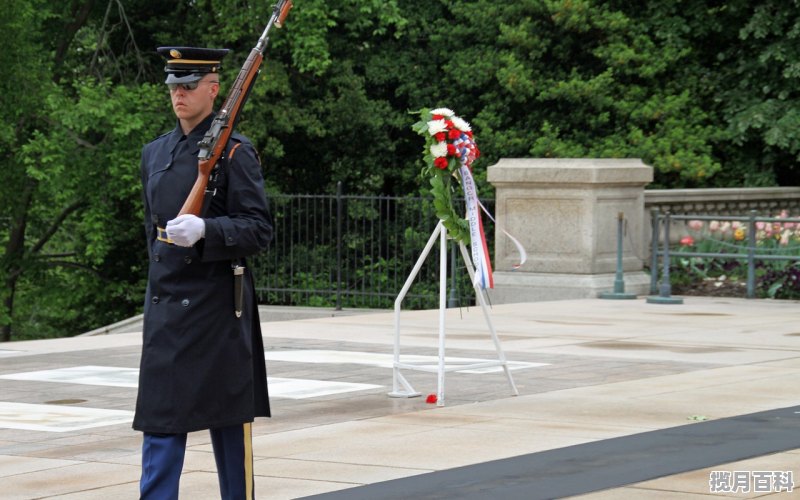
398,379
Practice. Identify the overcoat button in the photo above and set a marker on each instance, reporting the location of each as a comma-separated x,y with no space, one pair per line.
155,300
185,302
187,259
230,238
157,258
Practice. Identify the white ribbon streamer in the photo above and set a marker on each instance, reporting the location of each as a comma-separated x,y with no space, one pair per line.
523,256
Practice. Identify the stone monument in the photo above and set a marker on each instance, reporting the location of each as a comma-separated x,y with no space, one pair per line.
564,212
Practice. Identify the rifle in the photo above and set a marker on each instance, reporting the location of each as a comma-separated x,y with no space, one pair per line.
216,139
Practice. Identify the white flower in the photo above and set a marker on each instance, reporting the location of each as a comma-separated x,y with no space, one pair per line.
443,112
436,126
460,124
439,149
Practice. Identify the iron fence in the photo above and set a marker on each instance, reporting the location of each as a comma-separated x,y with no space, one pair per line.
353,251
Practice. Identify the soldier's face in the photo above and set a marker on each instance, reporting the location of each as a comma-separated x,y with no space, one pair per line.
194,104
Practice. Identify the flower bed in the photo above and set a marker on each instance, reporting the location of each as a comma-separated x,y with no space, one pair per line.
723,276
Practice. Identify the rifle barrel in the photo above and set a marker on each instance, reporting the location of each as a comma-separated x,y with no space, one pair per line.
216,139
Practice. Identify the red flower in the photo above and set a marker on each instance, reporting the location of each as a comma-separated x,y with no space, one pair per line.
436,117
687,241
441,136
440,162
451,150
431,399
449,124
454,134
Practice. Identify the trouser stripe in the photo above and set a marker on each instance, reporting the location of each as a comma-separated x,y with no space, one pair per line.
248,460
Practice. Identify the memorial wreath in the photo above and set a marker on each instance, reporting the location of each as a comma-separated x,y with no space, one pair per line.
449,146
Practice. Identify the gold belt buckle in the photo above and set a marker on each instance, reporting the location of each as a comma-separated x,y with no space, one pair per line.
162,235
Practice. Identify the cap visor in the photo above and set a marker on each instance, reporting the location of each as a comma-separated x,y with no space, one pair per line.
183,78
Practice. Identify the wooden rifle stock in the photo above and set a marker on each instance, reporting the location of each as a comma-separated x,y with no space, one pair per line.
214,142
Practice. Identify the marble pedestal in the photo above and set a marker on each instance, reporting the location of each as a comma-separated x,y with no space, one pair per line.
565,212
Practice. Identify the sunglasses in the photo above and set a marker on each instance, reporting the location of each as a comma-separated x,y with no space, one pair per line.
188,87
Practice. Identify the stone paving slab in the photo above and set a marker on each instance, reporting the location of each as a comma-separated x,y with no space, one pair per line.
600,369
607,463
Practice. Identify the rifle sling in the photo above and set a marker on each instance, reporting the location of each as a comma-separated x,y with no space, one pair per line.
211,189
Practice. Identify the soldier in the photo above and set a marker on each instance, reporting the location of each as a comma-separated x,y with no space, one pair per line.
202,365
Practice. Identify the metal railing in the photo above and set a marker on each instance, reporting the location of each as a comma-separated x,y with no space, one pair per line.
750,252
351,251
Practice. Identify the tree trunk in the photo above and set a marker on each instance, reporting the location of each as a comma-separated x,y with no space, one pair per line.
12,261
8,307
80,13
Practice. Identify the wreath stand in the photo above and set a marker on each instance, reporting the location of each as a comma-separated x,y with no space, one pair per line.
398,379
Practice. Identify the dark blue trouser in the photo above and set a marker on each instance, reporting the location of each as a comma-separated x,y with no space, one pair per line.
162,462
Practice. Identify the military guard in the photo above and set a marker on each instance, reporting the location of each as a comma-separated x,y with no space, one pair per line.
202,364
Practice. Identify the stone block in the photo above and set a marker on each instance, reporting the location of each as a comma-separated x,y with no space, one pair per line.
564,212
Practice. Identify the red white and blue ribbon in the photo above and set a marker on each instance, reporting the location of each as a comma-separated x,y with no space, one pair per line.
477,238
467,151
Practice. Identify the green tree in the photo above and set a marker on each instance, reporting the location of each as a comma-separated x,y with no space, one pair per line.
71,157
21,54
704,91
758,93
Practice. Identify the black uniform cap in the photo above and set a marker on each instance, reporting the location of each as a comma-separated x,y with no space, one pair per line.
190,64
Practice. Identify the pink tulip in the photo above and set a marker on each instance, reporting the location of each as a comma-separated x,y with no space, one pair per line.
713,225
687,241
695,225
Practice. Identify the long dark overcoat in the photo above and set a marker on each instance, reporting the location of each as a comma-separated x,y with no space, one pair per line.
201,366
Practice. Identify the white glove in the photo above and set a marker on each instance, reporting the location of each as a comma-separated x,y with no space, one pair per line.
185,230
